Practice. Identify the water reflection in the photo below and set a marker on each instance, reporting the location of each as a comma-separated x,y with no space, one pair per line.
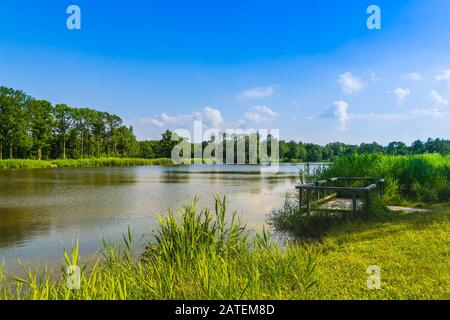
41,209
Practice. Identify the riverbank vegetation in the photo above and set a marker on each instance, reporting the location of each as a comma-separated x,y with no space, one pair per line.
424,178
86,162
203,254
417,180
198,254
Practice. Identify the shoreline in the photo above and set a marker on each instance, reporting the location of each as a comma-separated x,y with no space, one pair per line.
17,164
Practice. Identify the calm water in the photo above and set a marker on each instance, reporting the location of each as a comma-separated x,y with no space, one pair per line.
43,210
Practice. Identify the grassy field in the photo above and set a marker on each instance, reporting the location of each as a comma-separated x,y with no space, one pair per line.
89,162
412,251
199,254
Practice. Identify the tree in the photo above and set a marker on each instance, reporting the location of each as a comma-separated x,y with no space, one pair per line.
13,119
295,151
370,148
64,122
166,144
417,147
147,149
397,148
314,152
41,124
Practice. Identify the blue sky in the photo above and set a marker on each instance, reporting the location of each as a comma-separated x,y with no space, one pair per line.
309,68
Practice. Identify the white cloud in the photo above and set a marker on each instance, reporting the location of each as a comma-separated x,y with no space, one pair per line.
401,94
413,76
151,127
444,76
350,83
213,116
338,110
437,99
258,92
258,114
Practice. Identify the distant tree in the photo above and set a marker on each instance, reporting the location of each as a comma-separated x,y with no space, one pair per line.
295,151
417,147
314,152
147,149
13,119
370,148
41,124
64,122
166,144
397,148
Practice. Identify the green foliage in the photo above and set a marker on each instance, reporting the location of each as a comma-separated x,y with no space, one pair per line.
417,177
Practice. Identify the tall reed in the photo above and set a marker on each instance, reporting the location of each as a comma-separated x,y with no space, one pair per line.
196,254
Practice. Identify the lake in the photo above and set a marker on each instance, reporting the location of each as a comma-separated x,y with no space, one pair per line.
43,210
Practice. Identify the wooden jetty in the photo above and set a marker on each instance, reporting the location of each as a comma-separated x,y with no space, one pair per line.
320,193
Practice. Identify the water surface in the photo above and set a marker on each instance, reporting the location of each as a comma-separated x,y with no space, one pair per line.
42,210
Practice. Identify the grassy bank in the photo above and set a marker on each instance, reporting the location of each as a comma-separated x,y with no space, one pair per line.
91,162
200,254
410,249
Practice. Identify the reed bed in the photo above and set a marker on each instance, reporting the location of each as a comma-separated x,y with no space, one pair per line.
87,162
196,254
423,178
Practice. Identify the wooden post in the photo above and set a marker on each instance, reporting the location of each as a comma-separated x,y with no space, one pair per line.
354,202
368,204
300,196
308,202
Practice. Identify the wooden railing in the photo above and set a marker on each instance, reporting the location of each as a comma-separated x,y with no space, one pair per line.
319,192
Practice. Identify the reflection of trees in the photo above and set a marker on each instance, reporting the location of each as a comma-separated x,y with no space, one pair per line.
31,201
17,225
174,177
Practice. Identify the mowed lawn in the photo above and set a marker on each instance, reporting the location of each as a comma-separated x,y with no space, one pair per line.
412,251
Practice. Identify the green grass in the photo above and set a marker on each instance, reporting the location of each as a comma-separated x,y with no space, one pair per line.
412,251
203,254
424,178
89,162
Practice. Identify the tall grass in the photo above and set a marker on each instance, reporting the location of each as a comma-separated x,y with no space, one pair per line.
89,162
24,164
417,177
197,254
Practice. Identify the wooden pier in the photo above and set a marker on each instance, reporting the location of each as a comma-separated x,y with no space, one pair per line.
321,192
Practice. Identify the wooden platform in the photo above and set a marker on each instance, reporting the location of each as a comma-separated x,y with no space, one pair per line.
341,204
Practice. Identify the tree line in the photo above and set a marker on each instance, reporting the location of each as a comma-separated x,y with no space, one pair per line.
36,129
300,151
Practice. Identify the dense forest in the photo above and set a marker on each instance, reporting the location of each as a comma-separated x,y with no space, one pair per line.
36,129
